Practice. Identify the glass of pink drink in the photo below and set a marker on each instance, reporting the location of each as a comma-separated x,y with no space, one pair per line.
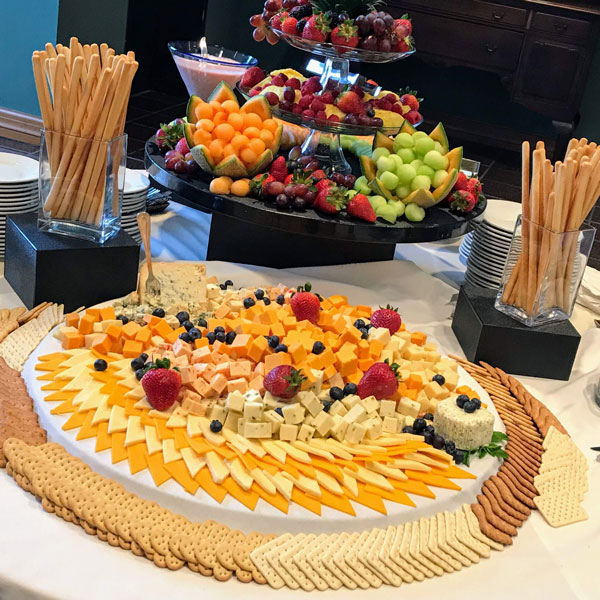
201,73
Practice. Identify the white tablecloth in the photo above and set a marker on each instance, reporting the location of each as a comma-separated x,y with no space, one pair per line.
44,557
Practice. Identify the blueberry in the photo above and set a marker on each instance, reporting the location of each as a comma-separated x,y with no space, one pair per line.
359,324
449,446
429,429
195,333
137,363
267,301
216,426
318,347
229,337
439,379
460,400
280,299
144,356
248,302
187,325
219,329
428,417
407,429
469,406
459,457
185,337
259,294
125,320
327,405
281,348
223,286
364,333
220,336
100,365
419,426
182,316
368,326
336,393
210,336
279,411
273,341
158,312
350,389
202,323
477,403
229,283
139,374
438,442
428,437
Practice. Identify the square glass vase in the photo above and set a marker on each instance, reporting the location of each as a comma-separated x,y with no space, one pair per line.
543,272
81,185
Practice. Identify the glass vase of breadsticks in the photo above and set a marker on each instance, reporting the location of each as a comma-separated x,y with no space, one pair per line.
83,92
550,246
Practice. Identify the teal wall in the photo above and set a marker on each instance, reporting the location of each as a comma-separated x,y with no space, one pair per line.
25,26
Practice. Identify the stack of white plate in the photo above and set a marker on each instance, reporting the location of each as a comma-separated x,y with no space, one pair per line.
18,188
485,249
136,189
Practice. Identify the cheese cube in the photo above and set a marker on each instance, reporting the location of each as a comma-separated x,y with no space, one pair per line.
433,405
212,290
350,400
293,414
389,425
434,390
310,402
374,428
276,420
257,430
355,432
323,423
306,433
380,334
288,433
318,381
423,400
370,404
252,396
269,400
445,364
338,408
339,429
413,352
408,421
240,425
401,421
231,420
409,407
357,414
253,411
235,401
387,408
451,379
217,412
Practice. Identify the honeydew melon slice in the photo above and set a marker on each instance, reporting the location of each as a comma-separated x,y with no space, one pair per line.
221,93
439,135
258,105
231,166
190,112
202,156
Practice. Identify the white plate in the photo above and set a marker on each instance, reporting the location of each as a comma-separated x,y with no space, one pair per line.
18,189
489,246
15,168
491,230
474,280
502,214
136,181
19,193
490,271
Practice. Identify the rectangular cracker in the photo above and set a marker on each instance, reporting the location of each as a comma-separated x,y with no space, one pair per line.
370,553
417,553
282,545
455,535
357,566
444,543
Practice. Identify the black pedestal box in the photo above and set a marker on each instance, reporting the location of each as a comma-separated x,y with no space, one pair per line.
489,335
43,266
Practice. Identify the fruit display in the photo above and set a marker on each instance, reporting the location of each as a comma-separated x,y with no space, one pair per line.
345,25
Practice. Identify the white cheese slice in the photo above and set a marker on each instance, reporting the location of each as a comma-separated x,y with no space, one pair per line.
177,419
192,461
295,453
102,413
239,474
284,486
118,419
135,431
153,442
218,469
387,471
329,483
170,452
261,479
277,452
89,397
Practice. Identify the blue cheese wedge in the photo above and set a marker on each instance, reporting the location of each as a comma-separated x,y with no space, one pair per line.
467,430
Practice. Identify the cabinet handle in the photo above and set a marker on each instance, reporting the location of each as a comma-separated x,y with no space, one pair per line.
498,16
491,49
560,26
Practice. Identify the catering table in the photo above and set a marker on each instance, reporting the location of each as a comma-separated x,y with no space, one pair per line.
44,557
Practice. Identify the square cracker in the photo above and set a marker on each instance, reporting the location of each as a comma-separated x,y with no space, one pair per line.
329,548
258,557
342,559
286,560
281,546
456,540
562,480
370,554
300,559
384,555
560,509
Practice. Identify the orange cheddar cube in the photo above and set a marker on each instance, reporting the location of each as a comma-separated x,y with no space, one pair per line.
172,337
132,349
181,349
107,313
277,329
414,382
239,385
347,363
151,320
201,343
297,352
289,323
412,394
212,323
327,357
144,335
375,348
114,332
257,384
338,323
325,318
86,324
419,338
222,311
240,368
72,340
117,346
201,387
162,328
259,329
363,349
187,373
93,312
352,335
276,359
223,368
240,346
129,330
365,363
355,377
337,300
102,344
258,348
72,320
329,372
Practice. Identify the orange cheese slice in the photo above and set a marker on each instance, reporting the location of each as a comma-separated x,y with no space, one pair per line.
180,473
157,469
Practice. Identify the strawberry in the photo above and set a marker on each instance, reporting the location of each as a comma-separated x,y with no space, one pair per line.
462,182
474,187
277,19
259,183
387,317
318,175
288,25
182,146
350,103
161,384
283,381
403,26
361,208
253,76
411,101
462,201
413,116
278,169
380,380
317,28
323,184
403,45
306,307
331,199
345,35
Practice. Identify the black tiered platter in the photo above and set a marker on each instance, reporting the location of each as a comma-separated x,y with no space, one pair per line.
246,230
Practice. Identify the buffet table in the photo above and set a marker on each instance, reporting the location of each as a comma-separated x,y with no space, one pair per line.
44,557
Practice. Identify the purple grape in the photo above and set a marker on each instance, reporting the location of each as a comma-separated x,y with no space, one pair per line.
350,119
364,120
378,27
388,20
369,43
289,94
384,45
282,201
290,191
370,18
299,203
301,190
349,181
362,25
377,122
313,165
180,167
338,178
310,197
304,160
192,166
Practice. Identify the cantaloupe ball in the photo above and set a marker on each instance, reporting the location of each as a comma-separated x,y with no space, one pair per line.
239,141
248,156
230,106
252,132
221,185
204,111
220,117
201,137
257,145
228,150
236,120
266,136
216,150
224,132
206,124
270,124
216,105
252,120
241,187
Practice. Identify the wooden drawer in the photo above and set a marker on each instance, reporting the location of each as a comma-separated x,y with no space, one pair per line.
476,9
573,28
470,43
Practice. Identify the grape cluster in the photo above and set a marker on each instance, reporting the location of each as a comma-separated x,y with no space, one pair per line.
376,31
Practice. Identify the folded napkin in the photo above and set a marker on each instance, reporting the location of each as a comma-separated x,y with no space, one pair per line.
589,292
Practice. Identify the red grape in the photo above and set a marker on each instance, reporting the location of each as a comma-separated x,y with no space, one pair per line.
278,81
272,37
289,94
289,4
192,166
273,5
259,34
172,154
338,178
290,191
310,197
286,106
313,165
180,167
272,98
282,201
256,21
301,190
170,163
299,203
274,188
297,109
349,181
304,160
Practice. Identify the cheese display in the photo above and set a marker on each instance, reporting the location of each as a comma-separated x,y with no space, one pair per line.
468,430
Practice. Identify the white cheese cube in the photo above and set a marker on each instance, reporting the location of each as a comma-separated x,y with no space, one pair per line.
408,421
338,431
323,423
293,414
387,408
257,430
393,344
387,355
306,433
444,364
381,334
310,402
413,352
212,290
276,420
355,432
252,396
409,407
370,404
374,428
451,379
433,356
217,412
253,411
389,425
336,381
350,400
240,426
231,421
357,414
423,400
338,408
318,383
235,401
288,433
269,400
434,390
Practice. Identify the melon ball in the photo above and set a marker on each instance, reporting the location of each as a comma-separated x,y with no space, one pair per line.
437,146
403,140
402,191
385,163
399,162
423,145
406,154
418,135
425,170
362,185
406,173
415,164
439,177
390,180
435,160
379,152
420,182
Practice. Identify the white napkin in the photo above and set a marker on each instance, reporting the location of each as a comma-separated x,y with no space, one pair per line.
589,292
